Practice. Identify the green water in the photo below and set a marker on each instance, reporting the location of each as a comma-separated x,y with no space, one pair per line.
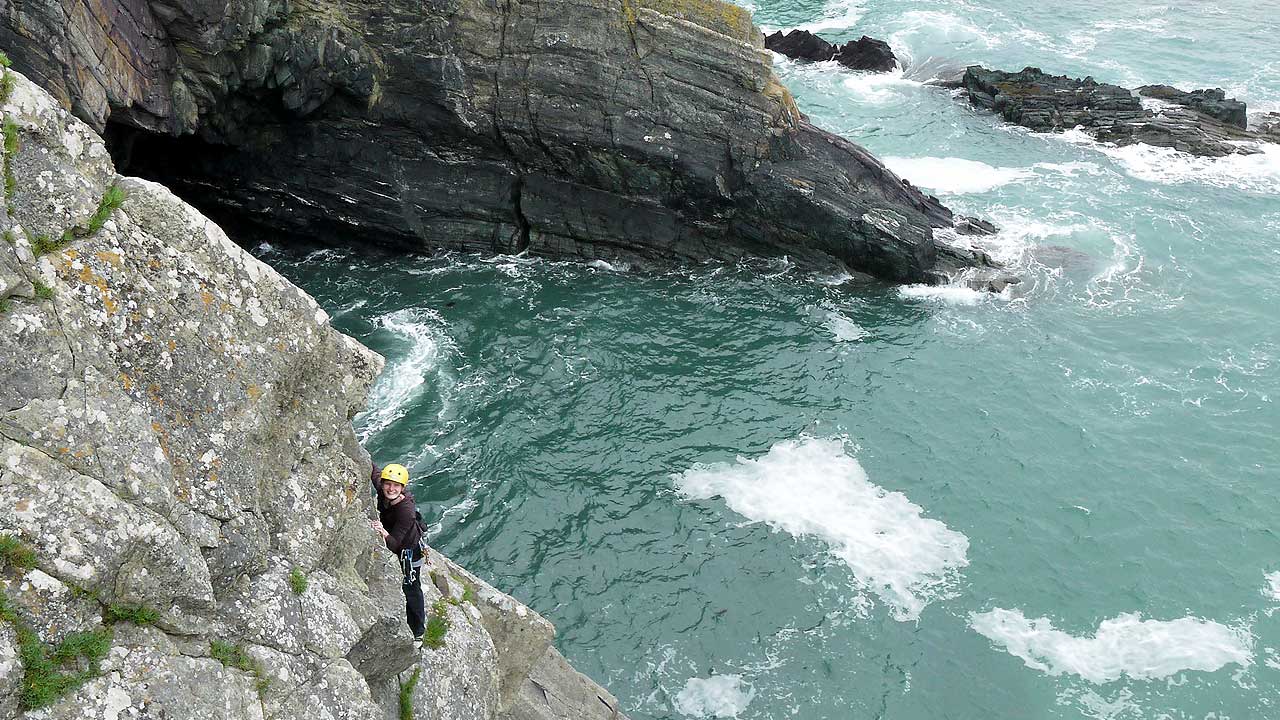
746,491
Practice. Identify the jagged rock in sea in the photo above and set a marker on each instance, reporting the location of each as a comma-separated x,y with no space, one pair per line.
865,53
1212,102
1202,122
800,45
183,504
642,130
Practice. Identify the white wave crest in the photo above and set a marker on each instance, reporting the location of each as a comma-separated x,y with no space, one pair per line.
812,487
836,15
948,294
404,378
1257,172
1125,645
721,696
954,176
880,88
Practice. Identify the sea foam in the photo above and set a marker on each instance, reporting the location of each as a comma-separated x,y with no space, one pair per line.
954,176
1125,645
813,488
722,696
403,381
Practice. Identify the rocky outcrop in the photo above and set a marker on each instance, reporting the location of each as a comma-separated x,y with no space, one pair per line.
865,53
645,130
1213,103
183,504
1201,122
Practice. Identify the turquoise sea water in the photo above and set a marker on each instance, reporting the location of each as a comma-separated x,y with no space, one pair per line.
744,491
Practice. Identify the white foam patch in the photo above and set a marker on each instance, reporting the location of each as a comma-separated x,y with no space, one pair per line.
1125,645
1258,172
1272,590
878,88
844,329
836,15
955,176
404,378
722,696
947,294
813,488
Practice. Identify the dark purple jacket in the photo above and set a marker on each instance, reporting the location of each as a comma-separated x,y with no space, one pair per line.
399,520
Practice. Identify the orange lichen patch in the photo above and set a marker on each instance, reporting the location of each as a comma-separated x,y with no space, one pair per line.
22,505
206,297
126,382
253,391
173,345
157,427
350,493
153,264
213,477
86,275
64,450
110,257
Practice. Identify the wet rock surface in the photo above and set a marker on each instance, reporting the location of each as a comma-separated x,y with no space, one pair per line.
175,436
1201,122
865,53
646,131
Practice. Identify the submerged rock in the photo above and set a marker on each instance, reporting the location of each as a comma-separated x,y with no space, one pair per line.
175,438
640,131
1202,122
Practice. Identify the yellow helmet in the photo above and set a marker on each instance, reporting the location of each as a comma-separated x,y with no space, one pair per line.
396,473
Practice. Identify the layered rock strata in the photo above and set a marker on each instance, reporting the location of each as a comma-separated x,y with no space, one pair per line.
183,504
865,53
1201,122
644,130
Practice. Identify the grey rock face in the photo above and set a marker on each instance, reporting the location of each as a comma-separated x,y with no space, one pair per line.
642,130
175,434
1202,122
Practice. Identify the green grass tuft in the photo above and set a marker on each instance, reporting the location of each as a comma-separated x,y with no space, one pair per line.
235,656
406,695
10,149
43,292
4,60
7,83
437,625
111,199
136,614
15,553
468,593
297,581
48,675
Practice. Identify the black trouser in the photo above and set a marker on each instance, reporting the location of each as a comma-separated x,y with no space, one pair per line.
414,604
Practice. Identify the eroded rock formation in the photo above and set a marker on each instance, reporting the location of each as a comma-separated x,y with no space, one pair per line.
183,504
1201,122
865,53
636,129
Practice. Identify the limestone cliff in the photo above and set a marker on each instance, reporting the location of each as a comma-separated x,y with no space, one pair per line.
646,130
183,504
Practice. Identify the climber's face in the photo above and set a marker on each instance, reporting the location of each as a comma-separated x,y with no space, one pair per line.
391,490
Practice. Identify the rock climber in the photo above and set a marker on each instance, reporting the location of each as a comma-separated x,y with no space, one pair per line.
398,526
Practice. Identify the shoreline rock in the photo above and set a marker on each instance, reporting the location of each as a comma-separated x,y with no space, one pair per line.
645,131
865,53
1201,122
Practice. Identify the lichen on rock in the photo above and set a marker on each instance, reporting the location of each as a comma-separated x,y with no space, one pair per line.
176,442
